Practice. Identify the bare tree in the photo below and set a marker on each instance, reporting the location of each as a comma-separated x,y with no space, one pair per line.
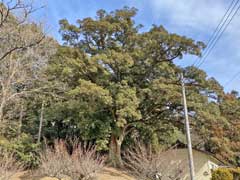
21,50
14,16
83,163
145,164
19,71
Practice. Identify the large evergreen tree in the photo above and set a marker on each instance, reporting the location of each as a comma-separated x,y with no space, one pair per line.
117,78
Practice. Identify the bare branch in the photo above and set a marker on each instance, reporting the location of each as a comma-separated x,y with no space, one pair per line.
22,47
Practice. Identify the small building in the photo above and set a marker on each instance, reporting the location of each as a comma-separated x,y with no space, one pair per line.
204,163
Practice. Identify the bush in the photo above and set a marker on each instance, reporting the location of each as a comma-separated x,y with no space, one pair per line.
8,165
145,164
82,163
222,174
235,172
24,150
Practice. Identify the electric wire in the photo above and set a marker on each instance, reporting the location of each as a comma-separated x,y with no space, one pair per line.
218,38
232,78
216,30
219,31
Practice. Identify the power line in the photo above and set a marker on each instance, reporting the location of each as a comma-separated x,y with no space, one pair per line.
216,29
216,39
230,80
220,35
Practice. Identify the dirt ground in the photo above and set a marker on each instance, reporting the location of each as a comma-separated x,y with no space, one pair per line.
106,174
113,174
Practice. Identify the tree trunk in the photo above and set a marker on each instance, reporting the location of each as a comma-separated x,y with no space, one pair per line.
40,123
1,109
115,151
20,121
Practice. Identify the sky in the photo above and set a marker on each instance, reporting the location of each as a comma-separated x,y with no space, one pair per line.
192,18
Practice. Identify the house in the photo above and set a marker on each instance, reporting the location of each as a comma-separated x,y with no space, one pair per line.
176,161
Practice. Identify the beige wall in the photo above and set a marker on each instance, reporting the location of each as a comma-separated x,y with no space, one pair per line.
205,172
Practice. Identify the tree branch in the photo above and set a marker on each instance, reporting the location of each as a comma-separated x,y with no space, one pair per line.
22,47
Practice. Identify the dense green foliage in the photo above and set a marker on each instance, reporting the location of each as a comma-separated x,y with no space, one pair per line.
119,80
226,174
222,174
112,84
24,149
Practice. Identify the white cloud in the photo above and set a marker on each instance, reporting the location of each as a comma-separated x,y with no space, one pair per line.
196,14
198,19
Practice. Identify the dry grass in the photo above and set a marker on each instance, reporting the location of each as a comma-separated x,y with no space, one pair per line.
8,165
82,164
145,164
109,173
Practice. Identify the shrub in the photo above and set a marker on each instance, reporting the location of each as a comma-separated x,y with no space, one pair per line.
222,174
8,165
82,163
235,172
26,151
145,164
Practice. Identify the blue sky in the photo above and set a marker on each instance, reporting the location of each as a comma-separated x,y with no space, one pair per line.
192,18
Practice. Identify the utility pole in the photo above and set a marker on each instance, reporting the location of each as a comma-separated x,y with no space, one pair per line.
187,127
